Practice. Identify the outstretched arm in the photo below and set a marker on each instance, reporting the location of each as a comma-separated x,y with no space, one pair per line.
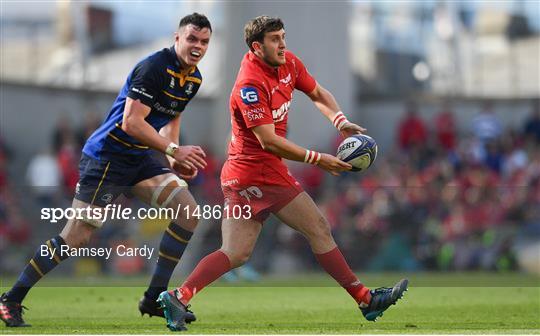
327,104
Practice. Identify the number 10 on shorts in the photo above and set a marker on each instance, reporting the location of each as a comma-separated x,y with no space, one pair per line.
250,192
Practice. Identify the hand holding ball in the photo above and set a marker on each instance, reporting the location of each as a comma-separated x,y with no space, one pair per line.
358,150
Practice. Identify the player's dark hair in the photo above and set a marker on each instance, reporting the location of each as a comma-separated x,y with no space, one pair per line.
255,29
198,20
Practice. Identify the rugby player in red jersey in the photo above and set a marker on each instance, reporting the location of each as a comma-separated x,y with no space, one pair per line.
255,174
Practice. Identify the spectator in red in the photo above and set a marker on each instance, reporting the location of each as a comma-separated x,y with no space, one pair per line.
445,128
412,129
68,159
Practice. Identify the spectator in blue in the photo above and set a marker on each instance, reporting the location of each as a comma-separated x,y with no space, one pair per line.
532,124
486,126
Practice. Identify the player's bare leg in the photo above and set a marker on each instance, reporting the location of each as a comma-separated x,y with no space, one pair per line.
239,238
76,233
303,215
167,191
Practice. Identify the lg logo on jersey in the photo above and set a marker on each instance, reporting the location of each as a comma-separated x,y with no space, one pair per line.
249,95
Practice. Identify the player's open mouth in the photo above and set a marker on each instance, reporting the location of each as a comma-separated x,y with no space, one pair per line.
195,54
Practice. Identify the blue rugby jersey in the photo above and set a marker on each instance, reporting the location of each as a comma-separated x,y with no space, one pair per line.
159,83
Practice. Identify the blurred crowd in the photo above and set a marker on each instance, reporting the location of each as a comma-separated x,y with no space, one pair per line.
444,198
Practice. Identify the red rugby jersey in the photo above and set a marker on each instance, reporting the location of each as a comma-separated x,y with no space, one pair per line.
262,95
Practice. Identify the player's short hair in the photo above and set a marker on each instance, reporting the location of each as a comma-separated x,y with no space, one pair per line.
198,20
255,29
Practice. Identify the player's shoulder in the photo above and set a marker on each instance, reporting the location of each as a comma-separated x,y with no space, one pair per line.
291,59
289,55
251,79
158,61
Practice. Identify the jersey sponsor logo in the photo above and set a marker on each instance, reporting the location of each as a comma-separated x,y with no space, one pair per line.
230,182
165,110
254,114
280,113
249,95
171,84
286,80
142,91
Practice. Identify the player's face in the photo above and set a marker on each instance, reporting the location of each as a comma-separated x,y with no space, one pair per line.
191,44
273,48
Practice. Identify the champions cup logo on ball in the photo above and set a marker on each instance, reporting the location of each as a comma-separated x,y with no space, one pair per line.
360,151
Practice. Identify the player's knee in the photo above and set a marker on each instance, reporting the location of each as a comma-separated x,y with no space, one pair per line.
186,217
166,195
78,235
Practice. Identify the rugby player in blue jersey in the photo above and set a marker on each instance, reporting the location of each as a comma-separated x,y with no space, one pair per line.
120,157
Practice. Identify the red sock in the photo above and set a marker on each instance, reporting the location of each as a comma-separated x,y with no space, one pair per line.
208,270
334,264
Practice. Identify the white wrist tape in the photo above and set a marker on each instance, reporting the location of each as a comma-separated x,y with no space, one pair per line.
339,120
171,148
312,157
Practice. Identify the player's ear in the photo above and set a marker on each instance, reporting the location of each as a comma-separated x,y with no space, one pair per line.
257,46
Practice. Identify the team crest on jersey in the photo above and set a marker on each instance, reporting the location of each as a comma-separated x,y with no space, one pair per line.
286,79
189,89
249,95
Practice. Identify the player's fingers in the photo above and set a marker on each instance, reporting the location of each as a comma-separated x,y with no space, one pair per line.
200,159
200,151
358,129
184,164
196,150
343,165
188,165
197,161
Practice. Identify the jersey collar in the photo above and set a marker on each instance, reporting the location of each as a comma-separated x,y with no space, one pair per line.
176,61
262,64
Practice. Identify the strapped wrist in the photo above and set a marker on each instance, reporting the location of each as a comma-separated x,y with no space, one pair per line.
312,157
339,120
171,149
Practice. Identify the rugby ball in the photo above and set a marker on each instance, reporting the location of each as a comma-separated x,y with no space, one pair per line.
359,150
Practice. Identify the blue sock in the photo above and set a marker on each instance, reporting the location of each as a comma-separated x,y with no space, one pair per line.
172,246
39,265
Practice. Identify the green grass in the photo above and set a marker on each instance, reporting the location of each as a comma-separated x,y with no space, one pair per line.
290,310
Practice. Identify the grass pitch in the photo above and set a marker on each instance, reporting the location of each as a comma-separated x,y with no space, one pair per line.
279,309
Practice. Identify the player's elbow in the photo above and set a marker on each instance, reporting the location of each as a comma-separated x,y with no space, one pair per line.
129,126
268,144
